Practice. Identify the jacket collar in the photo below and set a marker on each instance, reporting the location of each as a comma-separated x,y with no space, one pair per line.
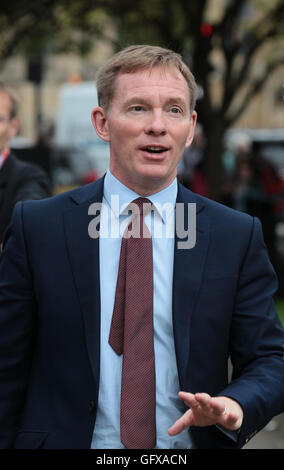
189,265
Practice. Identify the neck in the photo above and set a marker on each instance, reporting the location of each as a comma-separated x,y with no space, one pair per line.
147,188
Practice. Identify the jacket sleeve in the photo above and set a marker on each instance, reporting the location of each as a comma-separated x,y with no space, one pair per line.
256,342
17,325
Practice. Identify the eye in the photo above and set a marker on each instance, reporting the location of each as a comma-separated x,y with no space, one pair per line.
175,110
136,108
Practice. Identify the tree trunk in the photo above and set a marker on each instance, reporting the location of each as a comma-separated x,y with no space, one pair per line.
214,133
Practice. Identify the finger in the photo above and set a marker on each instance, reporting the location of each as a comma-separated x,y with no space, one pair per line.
189,399
204,400
218,407
181,424
231,422
211,405
231,418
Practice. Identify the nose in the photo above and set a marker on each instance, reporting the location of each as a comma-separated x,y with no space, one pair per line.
156,124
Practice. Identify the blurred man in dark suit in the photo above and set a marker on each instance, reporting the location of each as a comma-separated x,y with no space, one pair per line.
19,180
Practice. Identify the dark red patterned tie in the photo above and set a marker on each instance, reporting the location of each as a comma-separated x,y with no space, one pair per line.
131,332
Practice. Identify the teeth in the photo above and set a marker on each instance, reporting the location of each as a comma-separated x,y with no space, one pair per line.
155,149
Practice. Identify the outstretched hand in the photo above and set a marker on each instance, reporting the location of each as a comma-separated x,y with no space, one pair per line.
205,410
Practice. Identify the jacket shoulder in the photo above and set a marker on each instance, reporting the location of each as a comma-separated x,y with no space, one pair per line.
219,210
23,169
217,213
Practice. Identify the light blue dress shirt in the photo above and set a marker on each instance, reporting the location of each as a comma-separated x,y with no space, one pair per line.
161,224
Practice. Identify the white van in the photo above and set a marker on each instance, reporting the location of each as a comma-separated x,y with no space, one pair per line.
74,129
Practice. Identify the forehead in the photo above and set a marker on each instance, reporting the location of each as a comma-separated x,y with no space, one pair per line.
165,82
5,103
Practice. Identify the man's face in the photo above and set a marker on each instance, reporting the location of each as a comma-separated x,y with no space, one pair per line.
148,126
8,125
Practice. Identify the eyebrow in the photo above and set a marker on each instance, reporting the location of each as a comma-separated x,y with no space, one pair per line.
140,99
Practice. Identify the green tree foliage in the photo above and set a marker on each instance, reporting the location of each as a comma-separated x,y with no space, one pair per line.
219,43
33,27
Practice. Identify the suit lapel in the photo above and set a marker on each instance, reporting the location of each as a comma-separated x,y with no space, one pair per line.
84,259
187,278
6,171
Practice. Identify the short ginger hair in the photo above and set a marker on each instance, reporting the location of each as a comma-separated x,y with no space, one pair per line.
139,57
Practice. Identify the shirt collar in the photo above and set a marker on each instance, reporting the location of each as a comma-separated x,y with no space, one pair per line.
113,187
4,156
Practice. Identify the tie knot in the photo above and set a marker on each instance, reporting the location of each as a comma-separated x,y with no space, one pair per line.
141,206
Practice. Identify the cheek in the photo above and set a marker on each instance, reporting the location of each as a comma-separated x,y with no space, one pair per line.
123,128
123,140
181,131
182,140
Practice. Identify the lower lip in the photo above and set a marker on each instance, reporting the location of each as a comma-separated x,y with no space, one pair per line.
154,156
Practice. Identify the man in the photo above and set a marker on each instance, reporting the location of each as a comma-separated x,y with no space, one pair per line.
64,381
19,181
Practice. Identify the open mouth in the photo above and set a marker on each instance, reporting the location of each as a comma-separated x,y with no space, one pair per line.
154,149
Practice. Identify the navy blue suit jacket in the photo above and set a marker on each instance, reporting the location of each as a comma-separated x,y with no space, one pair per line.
50,321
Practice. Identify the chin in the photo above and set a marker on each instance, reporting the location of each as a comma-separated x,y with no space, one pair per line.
155,178
155,172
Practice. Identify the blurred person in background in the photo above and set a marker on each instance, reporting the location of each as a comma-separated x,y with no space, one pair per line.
272,207
248,194
255,187
271,180
191,168
19,180
236,151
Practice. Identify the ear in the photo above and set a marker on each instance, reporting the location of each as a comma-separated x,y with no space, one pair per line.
100,123
14,127
192,127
